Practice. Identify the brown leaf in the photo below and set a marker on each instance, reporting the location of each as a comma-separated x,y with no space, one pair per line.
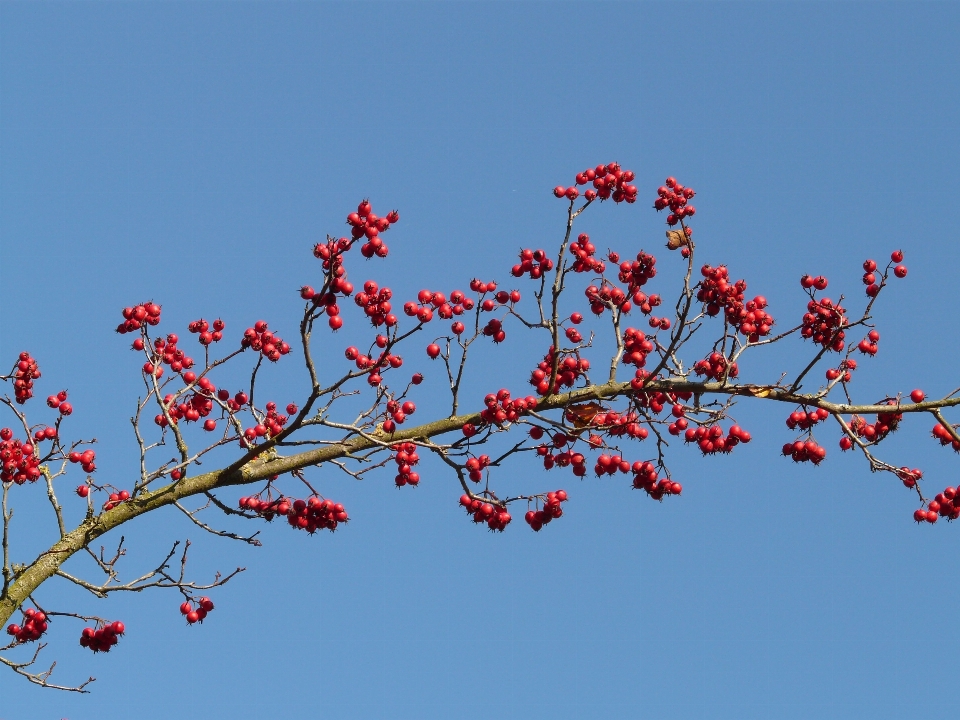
676,238
754,391
582,415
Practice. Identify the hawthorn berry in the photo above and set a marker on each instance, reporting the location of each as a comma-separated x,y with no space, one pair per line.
104,638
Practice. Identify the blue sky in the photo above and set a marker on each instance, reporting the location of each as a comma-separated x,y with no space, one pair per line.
193,153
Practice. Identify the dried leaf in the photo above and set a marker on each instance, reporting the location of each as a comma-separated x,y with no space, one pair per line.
676,238
754,391
582,415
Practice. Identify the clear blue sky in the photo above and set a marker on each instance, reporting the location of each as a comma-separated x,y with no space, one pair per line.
193,153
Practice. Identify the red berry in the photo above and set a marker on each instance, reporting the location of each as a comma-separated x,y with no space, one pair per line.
917,396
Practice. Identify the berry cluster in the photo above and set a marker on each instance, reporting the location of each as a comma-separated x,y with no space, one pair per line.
495,516
714,366
636,274
34,625
398,414
499,298
494,329
870,277
606,296
103,638
202,328
716,292
501,409
875,432
367,362
260,339
331,254
165,351
406,457
569,370
945,438
475,467
808,451
116,499
85,459
805,420
809,281
710,439
845,368
584,250
573,335
566,458
656,400
536,519
271,426
315,514
609,181
44,433
329,302
636,347
868,346
136,317
197,405
376,305
20,464
646,304
645,478
532,262
364,224
311,515
680,426
193,616
274,421
428,302
675,196
946,505
24,373
610,465
870,274
909,477
823,323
